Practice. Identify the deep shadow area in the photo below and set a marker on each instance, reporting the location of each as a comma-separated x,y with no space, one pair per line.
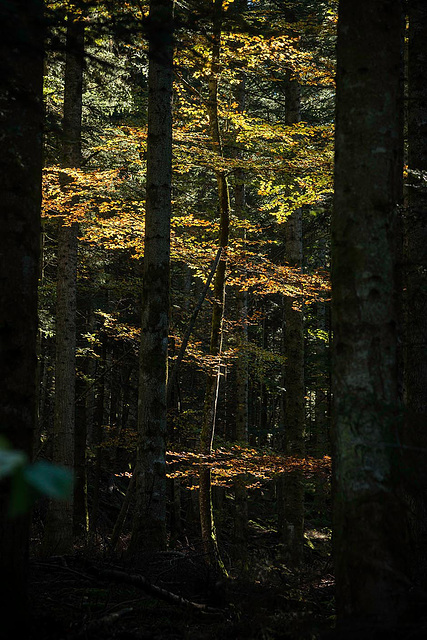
95,594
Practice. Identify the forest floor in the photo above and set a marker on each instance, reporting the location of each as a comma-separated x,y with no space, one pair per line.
89,595
97,594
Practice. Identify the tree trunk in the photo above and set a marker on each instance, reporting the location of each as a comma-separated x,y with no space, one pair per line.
368,520
321,423
211,395
149,530
21,118
291,485
242,364
242,371
97,437
80,514
58,534
415,297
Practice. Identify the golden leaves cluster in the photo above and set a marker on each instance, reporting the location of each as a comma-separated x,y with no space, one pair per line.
250,464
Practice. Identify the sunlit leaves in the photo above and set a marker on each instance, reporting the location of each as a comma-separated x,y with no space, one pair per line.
253,465
72,194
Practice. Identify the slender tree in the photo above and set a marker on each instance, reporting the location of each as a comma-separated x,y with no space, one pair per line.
211,396
21,117
321,409
58,536
149,530
209,415
291,487
242,372
368,527
242,362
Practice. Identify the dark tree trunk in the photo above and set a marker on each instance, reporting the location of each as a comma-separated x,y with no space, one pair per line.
321,424
290,494
415,296
242,363
21,118
58,534
97,437
149,531
368,520
80,515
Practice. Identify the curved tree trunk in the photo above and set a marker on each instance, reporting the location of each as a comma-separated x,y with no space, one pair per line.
212,387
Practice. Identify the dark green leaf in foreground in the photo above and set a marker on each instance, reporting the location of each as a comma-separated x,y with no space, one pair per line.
50,480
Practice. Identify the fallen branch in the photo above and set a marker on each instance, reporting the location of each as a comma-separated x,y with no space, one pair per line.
163,594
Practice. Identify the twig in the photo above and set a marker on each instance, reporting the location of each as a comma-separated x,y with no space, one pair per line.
174,372
189,86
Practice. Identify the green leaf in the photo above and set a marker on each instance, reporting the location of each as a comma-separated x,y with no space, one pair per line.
11,461
50,480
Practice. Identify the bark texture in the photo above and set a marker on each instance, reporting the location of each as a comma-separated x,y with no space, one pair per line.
21,118
290,495
240,532
369,533
415,296
242,363
58,534
149,531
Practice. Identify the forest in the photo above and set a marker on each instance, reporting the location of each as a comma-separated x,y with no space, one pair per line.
213,319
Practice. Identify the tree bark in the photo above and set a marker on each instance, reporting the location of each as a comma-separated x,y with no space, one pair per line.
415,296
149,530
21,122
212,387
58,534
369,533
321,423
97,436
290,494
242,370
242,378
